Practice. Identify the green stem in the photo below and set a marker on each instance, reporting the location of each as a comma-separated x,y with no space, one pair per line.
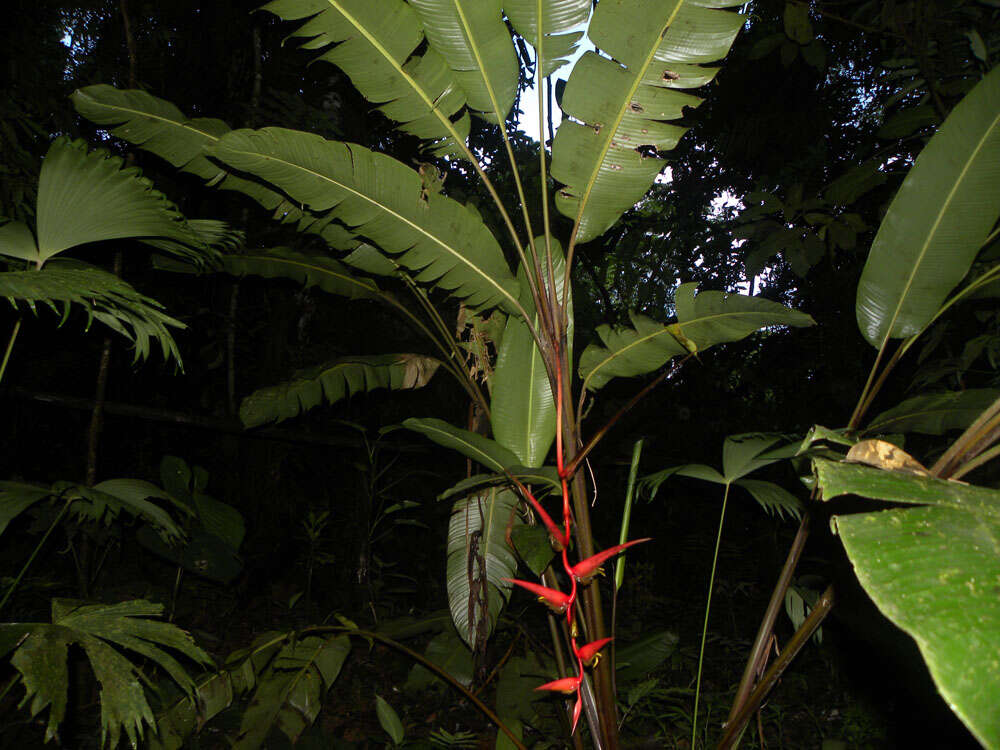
708,606
10,347
427,664
34,554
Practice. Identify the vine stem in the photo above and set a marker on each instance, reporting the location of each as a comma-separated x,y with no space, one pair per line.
426,663
708,606
38,547
10,348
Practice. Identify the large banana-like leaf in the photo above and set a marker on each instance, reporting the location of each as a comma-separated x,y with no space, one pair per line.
102,295
375,45
932,567
87,197
605,155
555,18
489,453
41,651
477,538
937,222
522,410
703,321
473,39
308,269
935,413
158,126
384,200
334,381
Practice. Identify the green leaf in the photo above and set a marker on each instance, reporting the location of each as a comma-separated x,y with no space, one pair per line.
133,496
703,321
907,121
489,453
334,381
534,546
289,693
475,42
447,651
17,497
41,661
17,241
546,476
375,46
774,499
557,19
221,519
309,269
384,200
636,660
103,296
935,413
937,222
88,197
797,24
855,182
933,570
388,719
522,410
478,554
619,106
159,127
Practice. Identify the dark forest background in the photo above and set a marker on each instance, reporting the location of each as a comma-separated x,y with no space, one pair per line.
784,119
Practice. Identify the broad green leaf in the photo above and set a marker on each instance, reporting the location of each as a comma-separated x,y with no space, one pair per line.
933,570
384,200
40,658
534,546
522,410
447,651
308,269
17,497
619,103
159,127
937,222
17,241
87,197
221,519
935,413
546,476
334,381
375,45
636,660
489,453
516,689
741,453
706,320
290,692
389,720
478,555
103,296
473,39
133,495
556,19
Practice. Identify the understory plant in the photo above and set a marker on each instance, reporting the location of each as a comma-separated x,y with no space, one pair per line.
431,66
369,224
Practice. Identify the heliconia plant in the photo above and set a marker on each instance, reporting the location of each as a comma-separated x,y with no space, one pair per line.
431,66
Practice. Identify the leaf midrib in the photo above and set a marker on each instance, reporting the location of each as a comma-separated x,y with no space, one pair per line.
395,214
945,205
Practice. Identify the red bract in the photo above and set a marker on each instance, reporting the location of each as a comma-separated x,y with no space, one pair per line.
585,570
555,600
557,535
567,685
588,652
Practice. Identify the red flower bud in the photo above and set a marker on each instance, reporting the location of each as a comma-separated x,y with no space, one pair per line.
555,600
567,685
588,653
585,570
